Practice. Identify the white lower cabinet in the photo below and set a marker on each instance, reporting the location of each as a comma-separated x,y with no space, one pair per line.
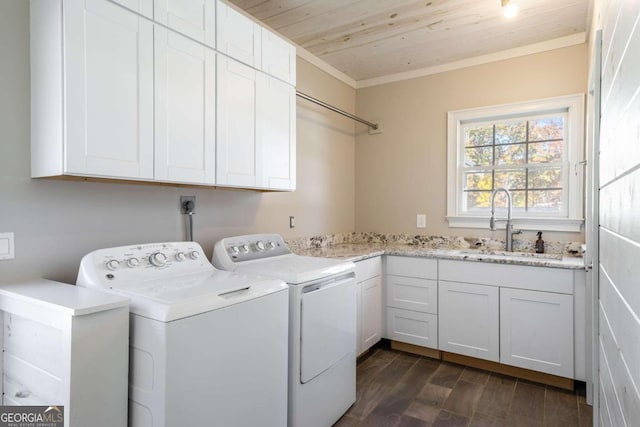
65,345
412,327
516,315
412,300
371,314
536,331
369,303
469,320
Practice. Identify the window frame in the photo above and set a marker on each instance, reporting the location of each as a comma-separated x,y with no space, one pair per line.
572,216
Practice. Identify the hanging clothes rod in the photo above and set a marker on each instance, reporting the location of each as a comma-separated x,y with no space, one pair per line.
302,95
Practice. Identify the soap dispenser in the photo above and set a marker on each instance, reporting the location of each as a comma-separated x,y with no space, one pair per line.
539,244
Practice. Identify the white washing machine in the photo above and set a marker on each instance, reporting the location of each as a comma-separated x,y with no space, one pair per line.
322,323
206,347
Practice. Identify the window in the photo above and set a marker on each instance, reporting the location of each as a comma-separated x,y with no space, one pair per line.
533,149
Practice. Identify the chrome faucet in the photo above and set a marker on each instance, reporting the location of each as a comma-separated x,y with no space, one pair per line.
509,228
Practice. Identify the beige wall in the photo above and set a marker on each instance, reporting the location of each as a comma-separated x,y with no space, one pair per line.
402,171
56,222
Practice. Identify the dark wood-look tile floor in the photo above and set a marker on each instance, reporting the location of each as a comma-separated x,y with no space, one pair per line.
396,389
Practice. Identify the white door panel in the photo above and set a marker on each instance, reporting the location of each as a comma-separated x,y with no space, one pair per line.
469,319
327,325
238,36
185,109
237,159
371,311
109,81
193,18
276,133
536,331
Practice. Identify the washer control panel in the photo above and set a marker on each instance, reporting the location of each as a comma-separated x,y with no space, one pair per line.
250,247
144,262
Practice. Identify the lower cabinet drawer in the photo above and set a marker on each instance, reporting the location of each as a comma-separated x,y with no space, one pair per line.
412,294
412,327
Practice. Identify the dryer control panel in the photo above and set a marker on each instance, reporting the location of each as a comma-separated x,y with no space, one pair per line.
142,262
231,250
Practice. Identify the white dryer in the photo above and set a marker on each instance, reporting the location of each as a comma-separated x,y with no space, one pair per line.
322,323
207,347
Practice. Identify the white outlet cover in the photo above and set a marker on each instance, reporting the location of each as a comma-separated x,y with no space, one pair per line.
7,250
421,221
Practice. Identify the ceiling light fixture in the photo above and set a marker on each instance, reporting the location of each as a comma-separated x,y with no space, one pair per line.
509,8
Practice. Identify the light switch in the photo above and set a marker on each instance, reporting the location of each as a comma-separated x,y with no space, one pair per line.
421,221
6,246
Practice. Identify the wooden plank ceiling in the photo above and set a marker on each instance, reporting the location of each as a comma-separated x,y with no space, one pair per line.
373,38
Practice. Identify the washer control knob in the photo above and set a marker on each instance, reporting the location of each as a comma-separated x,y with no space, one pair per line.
244,249
234,250
133,262
158,259
180,256
271,245
260,246
194,255
112,264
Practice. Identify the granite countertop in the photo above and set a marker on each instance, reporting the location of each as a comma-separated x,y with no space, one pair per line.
360,251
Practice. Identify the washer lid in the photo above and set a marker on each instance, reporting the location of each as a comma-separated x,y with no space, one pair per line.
191,294
296,269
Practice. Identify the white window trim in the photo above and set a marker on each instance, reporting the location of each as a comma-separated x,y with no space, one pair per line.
572,222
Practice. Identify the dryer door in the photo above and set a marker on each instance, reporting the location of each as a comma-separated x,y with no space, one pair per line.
328,325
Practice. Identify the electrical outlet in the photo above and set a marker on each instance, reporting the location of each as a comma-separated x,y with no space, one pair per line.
292,222
187,205
421,221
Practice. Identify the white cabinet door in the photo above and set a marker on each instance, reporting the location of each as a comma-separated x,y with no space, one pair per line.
109,83
238,36
469,322
143,7
536,331
193,18
371,320
412,327
412,294
184,109
236,156
278,57
276,134
423,268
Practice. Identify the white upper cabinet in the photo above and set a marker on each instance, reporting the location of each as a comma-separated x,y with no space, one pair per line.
255,144
117,95
236,155
97,119
143,7
276,134
238,36
185,83
278,57
193,18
